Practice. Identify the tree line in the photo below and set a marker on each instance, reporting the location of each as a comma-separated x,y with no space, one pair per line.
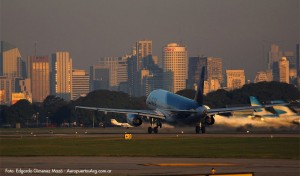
55,111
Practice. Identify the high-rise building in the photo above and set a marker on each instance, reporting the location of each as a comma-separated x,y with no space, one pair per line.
281,71
99,77
132,71
2,96
263,76
235,79
6,87
151,79
298,60
213,73
10,61
289,55
274,55
38,68
80,83
108,73
11,70
214,69
194,70
175,67
143,49
62,75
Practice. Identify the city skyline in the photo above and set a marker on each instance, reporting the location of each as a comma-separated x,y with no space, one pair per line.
122,73
239,32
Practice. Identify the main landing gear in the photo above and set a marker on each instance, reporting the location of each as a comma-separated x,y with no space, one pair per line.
155,129
201,128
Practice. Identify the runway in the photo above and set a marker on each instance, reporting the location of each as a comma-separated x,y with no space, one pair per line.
141,132
149,165
97,165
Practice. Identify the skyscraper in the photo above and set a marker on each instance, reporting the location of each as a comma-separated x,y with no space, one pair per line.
10,60
175,64
109,72
281,71
214,69
132,75
10,70
235,79
6,87
298,59
274,55
194,70
80,83
38,68
143,49
213,74
62,75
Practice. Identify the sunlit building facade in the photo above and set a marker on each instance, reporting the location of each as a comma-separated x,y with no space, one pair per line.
262,76
62,75
10,60
235,79
38,68
11,69
6,87
175,67
80,84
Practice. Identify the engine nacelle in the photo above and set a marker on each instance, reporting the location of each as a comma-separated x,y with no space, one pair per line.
134,120
209,120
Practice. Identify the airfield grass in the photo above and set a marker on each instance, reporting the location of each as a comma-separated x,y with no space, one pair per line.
273,148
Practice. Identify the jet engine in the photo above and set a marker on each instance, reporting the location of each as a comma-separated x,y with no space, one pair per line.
134,120
209,120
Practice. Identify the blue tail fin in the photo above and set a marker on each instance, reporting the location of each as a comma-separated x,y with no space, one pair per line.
254,101
199,94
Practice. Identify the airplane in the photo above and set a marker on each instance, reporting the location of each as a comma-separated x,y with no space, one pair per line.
170,107
116,123
282,110
280,107
260,112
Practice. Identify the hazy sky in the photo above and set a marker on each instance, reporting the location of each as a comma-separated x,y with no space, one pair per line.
236,30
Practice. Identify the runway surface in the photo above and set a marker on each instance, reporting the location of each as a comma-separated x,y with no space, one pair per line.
85,165
148,166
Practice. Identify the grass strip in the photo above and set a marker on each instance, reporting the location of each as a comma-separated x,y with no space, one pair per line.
273,148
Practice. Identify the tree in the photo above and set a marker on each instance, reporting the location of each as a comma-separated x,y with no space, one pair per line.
21,112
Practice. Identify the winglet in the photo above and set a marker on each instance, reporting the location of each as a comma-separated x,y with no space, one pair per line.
199,94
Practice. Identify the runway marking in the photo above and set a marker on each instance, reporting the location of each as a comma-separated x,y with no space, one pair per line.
188,164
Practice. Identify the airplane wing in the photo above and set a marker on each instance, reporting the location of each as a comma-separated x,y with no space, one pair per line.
160,115
226,110
147,113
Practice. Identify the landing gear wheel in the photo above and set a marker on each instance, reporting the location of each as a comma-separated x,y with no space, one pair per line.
197,129
155,130
150,130
203,129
